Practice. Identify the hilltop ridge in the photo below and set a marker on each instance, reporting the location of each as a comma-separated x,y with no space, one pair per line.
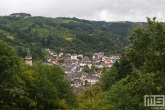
70,35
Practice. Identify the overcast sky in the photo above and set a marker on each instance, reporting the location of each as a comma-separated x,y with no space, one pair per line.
107,10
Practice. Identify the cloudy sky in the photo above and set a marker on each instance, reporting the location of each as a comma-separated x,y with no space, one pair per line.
107,10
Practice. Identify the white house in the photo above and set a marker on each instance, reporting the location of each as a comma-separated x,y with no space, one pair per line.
92,79
80,55
82,64
74,56
60,54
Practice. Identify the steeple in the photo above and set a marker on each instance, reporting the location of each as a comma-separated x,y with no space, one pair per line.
28,58
28,53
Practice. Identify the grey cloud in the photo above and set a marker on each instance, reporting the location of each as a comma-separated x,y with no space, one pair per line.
109,10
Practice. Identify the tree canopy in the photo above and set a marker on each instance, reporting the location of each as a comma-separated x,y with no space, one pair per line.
145,75
32,87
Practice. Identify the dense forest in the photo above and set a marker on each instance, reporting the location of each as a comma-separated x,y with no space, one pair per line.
140,71
68,35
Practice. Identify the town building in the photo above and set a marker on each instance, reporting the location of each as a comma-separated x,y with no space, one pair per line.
98,56
28,58
74,56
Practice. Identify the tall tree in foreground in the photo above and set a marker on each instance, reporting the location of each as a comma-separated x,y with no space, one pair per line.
52,90
10,90
147,51
146,55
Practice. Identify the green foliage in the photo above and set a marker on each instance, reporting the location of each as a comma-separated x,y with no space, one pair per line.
128,93
9,62
20,15
109,78
61,60
117,72
147,49
88,70
51,87
93,99
32,87
124,67
141,70
11,92
71,35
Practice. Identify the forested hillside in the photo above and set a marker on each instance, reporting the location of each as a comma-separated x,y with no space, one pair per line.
69,35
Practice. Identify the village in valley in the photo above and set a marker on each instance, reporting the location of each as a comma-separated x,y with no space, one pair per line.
81,71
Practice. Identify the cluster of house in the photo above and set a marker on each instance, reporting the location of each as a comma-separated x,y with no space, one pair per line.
74,64
100,60
53,58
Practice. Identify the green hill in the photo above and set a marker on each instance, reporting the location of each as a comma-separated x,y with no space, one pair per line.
70,35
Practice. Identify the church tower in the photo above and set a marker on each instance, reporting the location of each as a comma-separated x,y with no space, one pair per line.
28,58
